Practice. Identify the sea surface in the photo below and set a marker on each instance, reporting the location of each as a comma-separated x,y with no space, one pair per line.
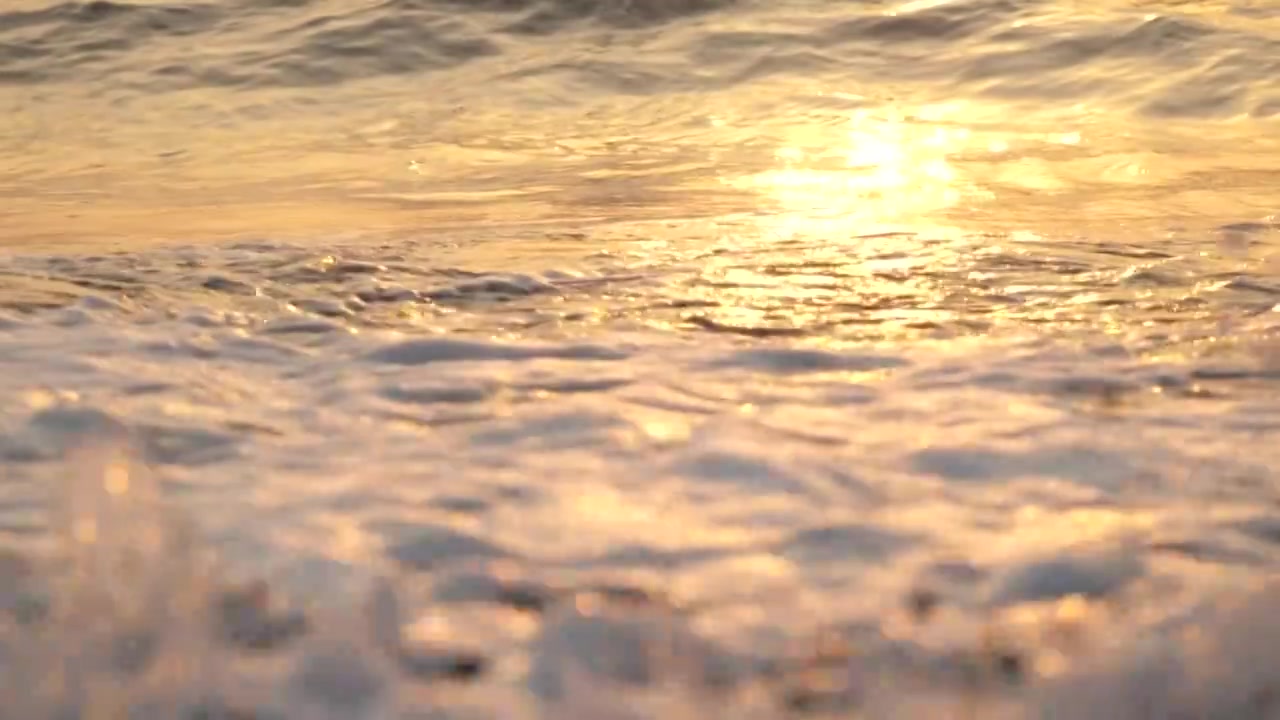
604,359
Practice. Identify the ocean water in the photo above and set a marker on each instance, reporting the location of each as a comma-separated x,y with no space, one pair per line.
382,359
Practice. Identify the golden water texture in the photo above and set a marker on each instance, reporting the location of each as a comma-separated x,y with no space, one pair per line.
1115,117
762,302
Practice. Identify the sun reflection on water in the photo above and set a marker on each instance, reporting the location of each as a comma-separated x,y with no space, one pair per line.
876,169
930,167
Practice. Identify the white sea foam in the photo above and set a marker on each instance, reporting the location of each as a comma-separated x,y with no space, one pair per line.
577,520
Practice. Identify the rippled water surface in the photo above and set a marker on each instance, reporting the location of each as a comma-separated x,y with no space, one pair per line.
374,359
321,116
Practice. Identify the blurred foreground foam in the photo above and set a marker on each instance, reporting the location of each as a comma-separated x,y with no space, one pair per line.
128,613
